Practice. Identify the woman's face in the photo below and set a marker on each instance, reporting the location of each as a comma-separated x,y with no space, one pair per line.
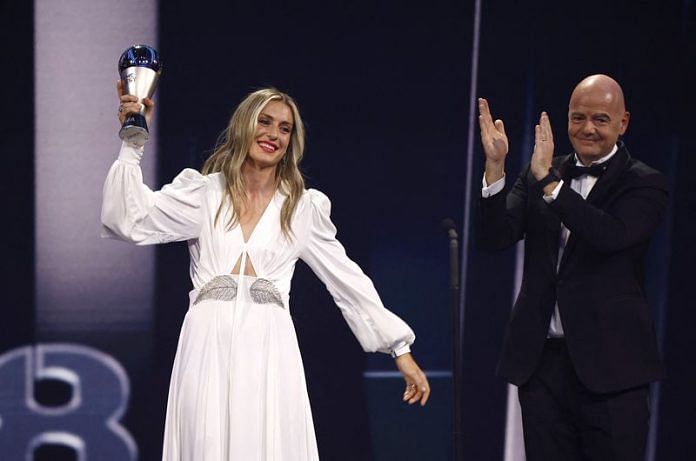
272,134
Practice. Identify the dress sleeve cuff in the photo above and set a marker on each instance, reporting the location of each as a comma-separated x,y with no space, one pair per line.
554,193
401,349
494,188
130,153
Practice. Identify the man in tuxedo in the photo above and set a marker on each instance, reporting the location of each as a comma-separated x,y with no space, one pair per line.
580,343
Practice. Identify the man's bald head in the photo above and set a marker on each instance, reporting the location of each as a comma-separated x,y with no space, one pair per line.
596,117
603,85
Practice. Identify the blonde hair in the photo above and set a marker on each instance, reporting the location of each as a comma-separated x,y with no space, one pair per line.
233,147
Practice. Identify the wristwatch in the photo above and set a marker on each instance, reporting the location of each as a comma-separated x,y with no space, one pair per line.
553,176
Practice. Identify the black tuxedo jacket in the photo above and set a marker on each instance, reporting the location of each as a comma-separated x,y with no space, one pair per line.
599,285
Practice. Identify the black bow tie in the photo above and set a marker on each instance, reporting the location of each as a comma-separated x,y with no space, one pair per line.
575,171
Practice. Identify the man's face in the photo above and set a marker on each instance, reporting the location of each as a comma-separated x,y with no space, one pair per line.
596,119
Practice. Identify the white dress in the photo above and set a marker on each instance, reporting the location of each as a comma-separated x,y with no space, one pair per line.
237,390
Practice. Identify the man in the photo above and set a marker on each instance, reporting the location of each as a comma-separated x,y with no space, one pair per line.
580,343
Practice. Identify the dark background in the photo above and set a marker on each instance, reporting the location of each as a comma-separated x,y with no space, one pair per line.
384,91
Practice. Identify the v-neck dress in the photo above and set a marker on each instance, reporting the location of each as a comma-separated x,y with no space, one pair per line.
237,389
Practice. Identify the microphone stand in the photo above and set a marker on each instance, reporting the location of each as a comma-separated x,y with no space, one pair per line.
457,343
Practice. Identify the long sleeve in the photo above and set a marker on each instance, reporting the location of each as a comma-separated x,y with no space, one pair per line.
134,213
631,220
502,216
375,327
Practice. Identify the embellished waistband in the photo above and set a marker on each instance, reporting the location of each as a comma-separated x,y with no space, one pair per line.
225,287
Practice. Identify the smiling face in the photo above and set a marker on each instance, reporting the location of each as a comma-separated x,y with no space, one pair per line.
596,117
272,134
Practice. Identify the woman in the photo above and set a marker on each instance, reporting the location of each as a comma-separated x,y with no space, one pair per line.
237,389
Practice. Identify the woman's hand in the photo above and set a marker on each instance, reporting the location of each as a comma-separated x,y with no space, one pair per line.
417,386
129,105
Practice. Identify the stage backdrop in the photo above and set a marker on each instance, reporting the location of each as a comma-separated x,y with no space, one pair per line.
90,326
85,368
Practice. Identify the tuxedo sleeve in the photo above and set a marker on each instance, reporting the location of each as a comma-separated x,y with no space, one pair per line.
630,219
502,218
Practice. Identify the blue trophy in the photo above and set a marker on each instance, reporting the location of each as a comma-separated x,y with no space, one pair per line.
140,68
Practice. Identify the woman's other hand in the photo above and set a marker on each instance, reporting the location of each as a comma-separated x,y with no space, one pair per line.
417,386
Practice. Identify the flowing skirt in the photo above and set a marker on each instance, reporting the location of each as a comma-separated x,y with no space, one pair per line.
237,391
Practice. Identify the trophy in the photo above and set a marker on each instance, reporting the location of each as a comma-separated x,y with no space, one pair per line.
140,67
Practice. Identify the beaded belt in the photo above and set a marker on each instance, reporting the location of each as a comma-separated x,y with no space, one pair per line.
224,288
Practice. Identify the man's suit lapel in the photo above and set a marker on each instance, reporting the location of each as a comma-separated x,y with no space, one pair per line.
616,166
599,192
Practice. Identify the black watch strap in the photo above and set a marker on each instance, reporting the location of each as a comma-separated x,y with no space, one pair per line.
553,176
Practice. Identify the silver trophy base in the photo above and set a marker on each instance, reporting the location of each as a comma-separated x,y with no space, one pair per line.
134,130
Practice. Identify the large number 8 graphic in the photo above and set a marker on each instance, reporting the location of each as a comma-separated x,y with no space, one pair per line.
88,423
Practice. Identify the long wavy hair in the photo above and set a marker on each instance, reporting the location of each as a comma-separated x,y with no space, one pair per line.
233,147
